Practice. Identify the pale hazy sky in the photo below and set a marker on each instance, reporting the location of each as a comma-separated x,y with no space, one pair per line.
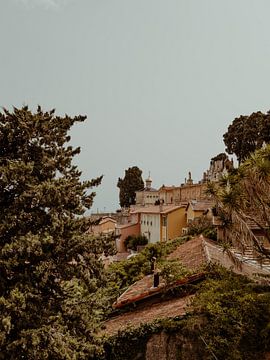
160,80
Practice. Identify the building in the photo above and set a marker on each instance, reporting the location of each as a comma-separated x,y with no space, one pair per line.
130,228
198,208
103,226
220,165
184,193
161,222
148,196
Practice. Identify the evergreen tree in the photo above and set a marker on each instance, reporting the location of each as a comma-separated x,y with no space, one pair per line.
50,276
128,186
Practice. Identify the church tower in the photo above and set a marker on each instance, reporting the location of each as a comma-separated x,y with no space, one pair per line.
148,183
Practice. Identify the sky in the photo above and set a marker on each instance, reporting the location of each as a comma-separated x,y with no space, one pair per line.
159,80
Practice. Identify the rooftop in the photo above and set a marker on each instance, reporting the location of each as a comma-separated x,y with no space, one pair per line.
200,205
156,209
192,256
148,313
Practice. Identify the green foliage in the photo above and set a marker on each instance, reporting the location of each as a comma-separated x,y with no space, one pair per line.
172,270
122,274
50,276
128,186
243,197
202,225
132,241
228,320
246,134
130,343
232,316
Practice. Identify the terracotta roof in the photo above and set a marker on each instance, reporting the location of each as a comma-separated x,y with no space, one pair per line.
156,209
143,289
166,309
106,219
191,254
125,225
200,205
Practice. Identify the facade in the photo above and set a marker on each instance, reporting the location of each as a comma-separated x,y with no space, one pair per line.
161,222
184,193
196,209
148,196
123,231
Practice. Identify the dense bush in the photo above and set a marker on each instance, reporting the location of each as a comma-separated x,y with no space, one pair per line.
231,315
132,241
124,273
202,225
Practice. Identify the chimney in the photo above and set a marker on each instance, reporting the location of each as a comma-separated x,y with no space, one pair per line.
161,205
156,280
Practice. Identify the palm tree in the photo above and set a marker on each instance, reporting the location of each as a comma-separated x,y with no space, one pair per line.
243,198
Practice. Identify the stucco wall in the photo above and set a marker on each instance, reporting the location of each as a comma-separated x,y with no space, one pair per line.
124,232
176,220
150,227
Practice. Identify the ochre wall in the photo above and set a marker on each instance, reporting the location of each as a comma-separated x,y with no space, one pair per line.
176,220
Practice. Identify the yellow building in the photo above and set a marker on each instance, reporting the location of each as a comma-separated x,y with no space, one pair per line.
196,209
161,222
105,226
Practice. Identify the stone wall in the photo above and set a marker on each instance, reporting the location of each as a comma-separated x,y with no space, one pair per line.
173,346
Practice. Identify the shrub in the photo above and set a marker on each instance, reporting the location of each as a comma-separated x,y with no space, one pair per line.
131,242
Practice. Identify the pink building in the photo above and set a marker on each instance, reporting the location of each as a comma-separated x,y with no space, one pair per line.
123,231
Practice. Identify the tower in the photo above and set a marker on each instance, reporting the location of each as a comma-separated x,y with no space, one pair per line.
148,182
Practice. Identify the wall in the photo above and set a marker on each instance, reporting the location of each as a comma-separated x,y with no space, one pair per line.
124,231
176,220
183,193
166,346
150,227
191,214
192,192
146,197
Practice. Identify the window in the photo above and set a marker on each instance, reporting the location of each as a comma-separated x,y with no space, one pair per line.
164,221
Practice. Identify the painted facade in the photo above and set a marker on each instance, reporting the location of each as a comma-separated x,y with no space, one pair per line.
161,222
196,209
123,231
